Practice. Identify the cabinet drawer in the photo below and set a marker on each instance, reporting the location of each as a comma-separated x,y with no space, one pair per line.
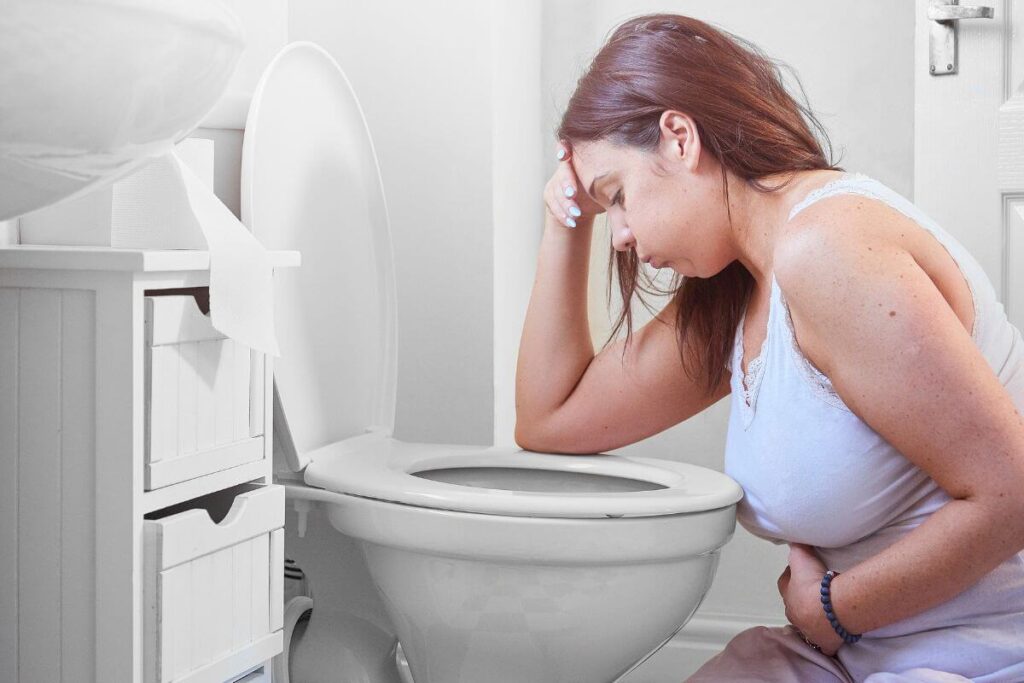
214,581
204,395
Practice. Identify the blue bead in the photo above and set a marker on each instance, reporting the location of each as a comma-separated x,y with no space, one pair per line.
825,591
830,614
824,599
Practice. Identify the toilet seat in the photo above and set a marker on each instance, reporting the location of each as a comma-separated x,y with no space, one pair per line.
385,469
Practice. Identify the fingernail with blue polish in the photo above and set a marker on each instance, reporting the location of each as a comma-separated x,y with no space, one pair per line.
570,222
569,192
574,211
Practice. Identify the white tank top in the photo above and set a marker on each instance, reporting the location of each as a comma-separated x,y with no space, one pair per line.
813,472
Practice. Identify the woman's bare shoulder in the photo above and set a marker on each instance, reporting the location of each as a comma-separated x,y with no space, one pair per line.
852,226
853,216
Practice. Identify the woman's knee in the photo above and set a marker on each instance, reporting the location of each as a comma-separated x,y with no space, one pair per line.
775,654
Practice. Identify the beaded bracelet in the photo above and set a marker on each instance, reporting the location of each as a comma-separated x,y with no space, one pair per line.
826,601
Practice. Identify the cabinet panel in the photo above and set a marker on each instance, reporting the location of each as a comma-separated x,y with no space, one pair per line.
199,389
211,586
47,475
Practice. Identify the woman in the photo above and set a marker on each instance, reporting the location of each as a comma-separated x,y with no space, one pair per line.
877,385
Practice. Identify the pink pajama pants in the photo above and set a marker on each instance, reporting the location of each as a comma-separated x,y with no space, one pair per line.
779,655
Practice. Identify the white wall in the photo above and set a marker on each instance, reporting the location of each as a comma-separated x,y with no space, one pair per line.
518,178
422,73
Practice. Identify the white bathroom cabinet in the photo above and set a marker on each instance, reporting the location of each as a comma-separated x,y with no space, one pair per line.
141,536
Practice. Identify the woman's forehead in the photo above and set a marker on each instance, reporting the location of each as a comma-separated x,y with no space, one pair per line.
593,159
596,151
603,156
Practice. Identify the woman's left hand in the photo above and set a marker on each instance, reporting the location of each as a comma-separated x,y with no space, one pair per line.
800,587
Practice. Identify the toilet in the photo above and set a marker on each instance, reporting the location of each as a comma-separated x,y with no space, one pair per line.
436,563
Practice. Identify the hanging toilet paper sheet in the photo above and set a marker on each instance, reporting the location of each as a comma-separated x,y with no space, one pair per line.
169,204
241,274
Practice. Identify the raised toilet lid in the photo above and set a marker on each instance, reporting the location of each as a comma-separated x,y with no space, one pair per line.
310,182
512,482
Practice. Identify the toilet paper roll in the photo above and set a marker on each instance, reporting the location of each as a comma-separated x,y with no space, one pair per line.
241,287
140,211
9,232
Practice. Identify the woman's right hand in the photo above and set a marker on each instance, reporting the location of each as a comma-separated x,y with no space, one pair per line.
563,196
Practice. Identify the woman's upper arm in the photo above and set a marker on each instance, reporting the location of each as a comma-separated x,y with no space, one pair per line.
620,400
903,362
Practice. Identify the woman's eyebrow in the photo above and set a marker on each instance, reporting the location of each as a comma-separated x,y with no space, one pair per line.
594,182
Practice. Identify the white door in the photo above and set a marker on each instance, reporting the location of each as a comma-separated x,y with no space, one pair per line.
969,140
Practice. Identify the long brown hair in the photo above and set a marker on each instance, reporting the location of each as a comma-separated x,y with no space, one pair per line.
745,118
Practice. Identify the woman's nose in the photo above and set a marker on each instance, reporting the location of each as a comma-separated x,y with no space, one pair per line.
622,238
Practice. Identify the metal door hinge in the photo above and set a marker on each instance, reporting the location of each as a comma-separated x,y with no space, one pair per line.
944,15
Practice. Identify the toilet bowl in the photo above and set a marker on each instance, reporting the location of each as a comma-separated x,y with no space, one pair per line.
496,564
437,563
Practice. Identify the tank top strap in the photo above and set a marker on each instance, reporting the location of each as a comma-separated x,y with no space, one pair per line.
865,185
781,322
848,183
782,328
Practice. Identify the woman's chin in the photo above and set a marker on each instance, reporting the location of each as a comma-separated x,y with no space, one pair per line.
686,269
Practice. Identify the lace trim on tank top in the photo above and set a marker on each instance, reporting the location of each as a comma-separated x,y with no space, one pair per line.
752,377
820,384
819,192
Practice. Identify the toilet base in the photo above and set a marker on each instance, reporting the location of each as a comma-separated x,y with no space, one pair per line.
402,664
338,647
470,621
583,600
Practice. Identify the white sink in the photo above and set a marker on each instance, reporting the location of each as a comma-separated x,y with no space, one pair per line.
92,89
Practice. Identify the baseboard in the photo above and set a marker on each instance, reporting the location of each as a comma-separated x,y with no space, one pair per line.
702,638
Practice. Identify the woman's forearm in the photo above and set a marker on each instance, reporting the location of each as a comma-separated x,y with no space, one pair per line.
948,553
555,348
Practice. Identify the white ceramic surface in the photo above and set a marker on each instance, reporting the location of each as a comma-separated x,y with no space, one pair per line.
91,89
510,481
310,182
507,599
